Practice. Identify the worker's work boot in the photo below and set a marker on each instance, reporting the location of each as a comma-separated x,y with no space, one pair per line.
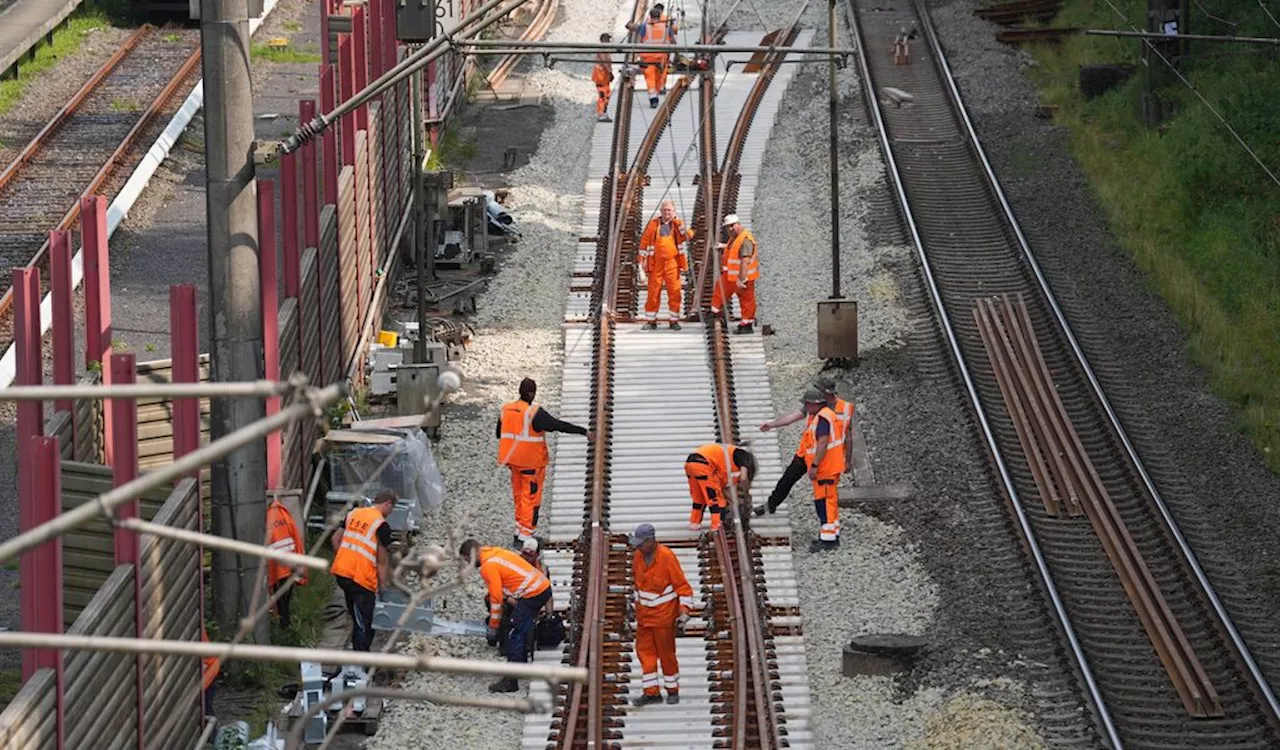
604,118
818,545
651,326
674,325
645,700
673,699
744,328
505,685
653,102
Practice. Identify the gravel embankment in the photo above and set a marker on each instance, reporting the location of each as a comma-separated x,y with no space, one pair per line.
518,334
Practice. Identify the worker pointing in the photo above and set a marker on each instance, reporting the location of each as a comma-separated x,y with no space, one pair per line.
602,76
797,468
710,470
361,563
663,599
522,447
823,447
739,269
283,536
509,578
663,261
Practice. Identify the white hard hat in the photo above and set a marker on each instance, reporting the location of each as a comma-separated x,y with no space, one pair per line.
730,220
530,545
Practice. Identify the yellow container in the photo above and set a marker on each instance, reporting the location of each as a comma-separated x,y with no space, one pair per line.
388,338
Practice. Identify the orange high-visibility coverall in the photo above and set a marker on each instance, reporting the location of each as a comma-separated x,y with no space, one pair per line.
655,63
731,267
282,536
602,76
662,260
825,502
662,594
507,575
709,469
523,450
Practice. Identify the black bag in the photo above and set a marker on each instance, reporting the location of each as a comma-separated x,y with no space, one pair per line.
548,631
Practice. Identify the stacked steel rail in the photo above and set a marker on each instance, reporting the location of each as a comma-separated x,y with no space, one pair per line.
1159,660
87,144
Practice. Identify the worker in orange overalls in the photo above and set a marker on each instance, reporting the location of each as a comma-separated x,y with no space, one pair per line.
710,469
663,599
602,76
210,666
823,447
509,578
656,31
797,468
663,261
739,269
283,536
361,564
522,447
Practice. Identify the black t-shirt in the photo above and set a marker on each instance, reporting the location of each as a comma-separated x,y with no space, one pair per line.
384,535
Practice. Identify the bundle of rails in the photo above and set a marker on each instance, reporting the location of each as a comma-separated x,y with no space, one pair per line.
1159,660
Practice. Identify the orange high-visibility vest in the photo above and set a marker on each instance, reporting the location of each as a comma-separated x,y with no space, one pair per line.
722,465
662,592
520,444
602,73
844,412
282,536
655,32
731,264
833,461
657,248
507,574
357,556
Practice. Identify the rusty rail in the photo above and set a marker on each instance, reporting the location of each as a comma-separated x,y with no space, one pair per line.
110,164
537,28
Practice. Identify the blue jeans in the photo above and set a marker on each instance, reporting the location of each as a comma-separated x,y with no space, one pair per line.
523,616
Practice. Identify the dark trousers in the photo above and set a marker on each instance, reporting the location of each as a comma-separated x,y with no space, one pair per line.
523,616
794,472
282,604
360,601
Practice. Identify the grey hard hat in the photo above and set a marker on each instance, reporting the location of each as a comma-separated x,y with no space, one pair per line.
814,396
643,532
825,383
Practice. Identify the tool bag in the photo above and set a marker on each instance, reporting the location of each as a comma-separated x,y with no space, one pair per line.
549,630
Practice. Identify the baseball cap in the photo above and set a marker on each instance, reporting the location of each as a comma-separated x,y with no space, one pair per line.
643,532
730,220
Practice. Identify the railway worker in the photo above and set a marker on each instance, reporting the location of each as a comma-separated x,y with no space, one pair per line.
210,666
283,536
602,76
663,599
656,31
797,468
361,564
663,262
823,447
739,269
509,578
710,469
522,448
531,551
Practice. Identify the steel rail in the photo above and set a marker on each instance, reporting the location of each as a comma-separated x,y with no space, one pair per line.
73,104
109,166
1189,556
537,28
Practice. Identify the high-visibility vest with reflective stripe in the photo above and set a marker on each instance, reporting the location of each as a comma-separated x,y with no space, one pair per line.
357,556
508,575
655,32
520,444
844,412
720,458
657,248
731,264
282,536
833,461
662,593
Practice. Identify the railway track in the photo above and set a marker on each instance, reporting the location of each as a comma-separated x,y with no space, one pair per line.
650,398
1157,657
89,143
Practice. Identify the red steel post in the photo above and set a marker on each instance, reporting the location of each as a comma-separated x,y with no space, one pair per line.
289,222
329,140
97,301
374,20
325,9
267,282
310,198
128,547
60,289
360,62
46,457
29,361
346,90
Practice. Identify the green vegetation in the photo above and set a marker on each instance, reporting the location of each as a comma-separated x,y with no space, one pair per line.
293,26
124,105
1194,209
66,41
172,38
10,684
259,51
452,150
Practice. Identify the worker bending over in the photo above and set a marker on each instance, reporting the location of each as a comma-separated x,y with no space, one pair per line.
663,261
602,76
710,469
663,599
797,468
361,563
739,269
656,31
522,447
823,447
509,578
283,536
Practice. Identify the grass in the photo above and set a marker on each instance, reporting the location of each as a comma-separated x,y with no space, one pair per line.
261,51
10,684
1189,204
451,150
66,41
124,105
293,26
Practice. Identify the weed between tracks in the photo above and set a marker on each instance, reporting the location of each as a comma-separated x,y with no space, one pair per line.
283,54
1189,204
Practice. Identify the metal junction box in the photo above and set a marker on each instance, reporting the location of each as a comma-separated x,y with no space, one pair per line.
838,329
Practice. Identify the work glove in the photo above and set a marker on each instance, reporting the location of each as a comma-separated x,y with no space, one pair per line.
492,636
681,622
